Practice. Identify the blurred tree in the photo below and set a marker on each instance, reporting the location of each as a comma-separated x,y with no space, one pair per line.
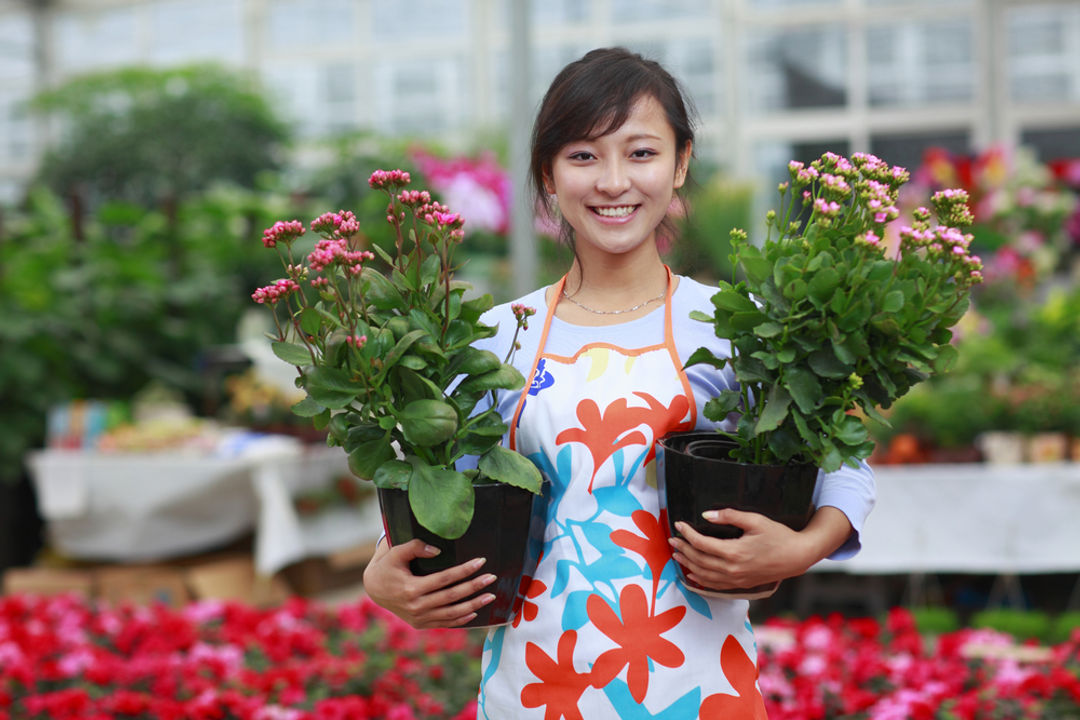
154,136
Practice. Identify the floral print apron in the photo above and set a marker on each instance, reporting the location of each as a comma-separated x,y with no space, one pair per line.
607,630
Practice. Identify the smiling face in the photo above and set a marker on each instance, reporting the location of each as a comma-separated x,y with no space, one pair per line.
615,190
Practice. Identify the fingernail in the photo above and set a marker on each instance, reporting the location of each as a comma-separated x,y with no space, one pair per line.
710,515
431,550
487,599
477,563
488,579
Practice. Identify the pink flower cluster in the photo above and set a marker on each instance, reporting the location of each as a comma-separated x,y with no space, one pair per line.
858,668
62,658
389,178
272,293
478,187
283,231
340,224
336,251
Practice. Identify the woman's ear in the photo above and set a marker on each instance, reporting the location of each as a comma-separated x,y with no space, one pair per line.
549,184
682,164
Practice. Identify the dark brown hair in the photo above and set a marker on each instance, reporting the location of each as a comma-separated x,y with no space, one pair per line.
594,96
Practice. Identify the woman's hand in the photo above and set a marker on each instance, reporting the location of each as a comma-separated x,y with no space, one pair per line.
429,601
767,551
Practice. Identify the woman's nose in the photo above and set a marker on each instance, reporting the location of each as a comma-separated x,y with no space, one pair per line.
613,179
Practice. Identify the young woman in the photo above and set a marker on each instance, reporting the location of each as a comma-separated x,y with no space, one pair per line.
608,631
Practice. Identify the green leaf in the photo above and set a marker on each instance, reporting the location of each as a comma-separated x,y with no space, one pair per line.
768,329
310,321
775,410
700,316
506,377
441,499
826,364
704,355
753,264
795,290
510,467
292,353
842,353
747,320
893,301
946,359
331,387
804,388
851,431
369,456
393,475
822,285
307,408
379,291
719,407
391,358
428,422
477,362
733,301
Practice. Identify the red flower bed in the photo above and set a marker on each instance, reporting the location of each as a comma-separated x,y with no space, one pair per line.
843,668
62,658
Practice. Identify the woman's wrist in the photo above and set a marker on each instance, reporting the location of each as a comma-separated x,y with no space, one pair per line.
827,530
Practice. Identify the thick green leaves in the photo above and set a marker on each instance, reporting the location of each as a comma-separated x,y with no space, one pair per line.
510,467
331,387
776,409
368,456
428,422
292,353
441,499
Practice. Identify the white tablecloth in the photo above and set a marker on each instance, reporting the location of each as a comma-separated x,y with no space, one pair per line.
144,507
977,519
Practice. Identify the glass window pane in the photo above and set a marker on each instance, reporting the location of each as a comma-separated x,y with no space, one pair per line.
420,18
420,96
17,41
630,11
794,68
1052,144
96,38
319,98
292,24
1043,51
907,149
691,61
213,29
921,62
16,132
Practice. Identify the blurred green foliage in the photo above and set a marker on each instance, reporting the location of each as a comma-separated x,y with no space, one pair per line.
148,135
703,247
134,300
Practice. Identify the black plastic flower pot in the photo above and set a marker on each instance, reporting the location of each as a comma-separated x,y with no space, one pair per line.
696,474
507,528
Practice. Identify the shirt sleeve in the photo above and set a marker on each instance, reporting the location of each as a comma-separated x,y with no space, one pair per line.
851,491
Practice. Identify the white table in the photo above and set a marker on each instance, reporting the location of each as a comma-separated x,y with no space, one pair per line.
979,519
145,507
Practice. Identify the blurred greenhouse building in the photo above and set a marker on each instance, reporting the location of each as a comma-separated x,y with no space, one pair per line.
772,79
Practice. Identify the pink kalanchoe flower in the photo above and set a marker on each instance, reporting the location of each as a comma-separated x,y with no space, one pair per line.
283,231
356,341
391,178
272,293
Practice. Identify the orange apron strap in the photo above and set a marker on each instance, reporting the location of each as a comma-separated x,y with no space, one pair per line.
536,361
669,342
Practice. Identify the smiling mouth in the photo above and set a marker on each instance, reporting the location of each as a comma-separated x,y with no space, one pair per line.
615,212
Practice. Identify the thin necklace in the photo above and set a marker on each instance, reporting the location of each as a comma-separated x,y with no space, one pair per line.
615,312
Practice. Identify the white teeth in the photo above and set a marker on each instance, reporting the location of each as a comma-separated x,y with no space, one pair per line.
621,211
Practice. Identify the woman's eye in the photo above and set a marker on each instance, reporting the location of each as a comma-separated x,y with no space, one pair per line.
643,153
581,155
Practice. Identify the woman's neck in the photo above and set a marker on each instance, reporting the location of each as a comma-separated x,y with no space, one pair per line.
606,289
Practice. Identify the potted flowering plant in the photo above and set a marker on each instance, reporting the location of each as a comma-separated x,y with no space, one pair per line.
387,362
826,322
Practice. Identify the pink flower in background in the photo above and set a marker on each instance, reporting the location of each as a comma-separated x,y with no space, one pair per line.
478,188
